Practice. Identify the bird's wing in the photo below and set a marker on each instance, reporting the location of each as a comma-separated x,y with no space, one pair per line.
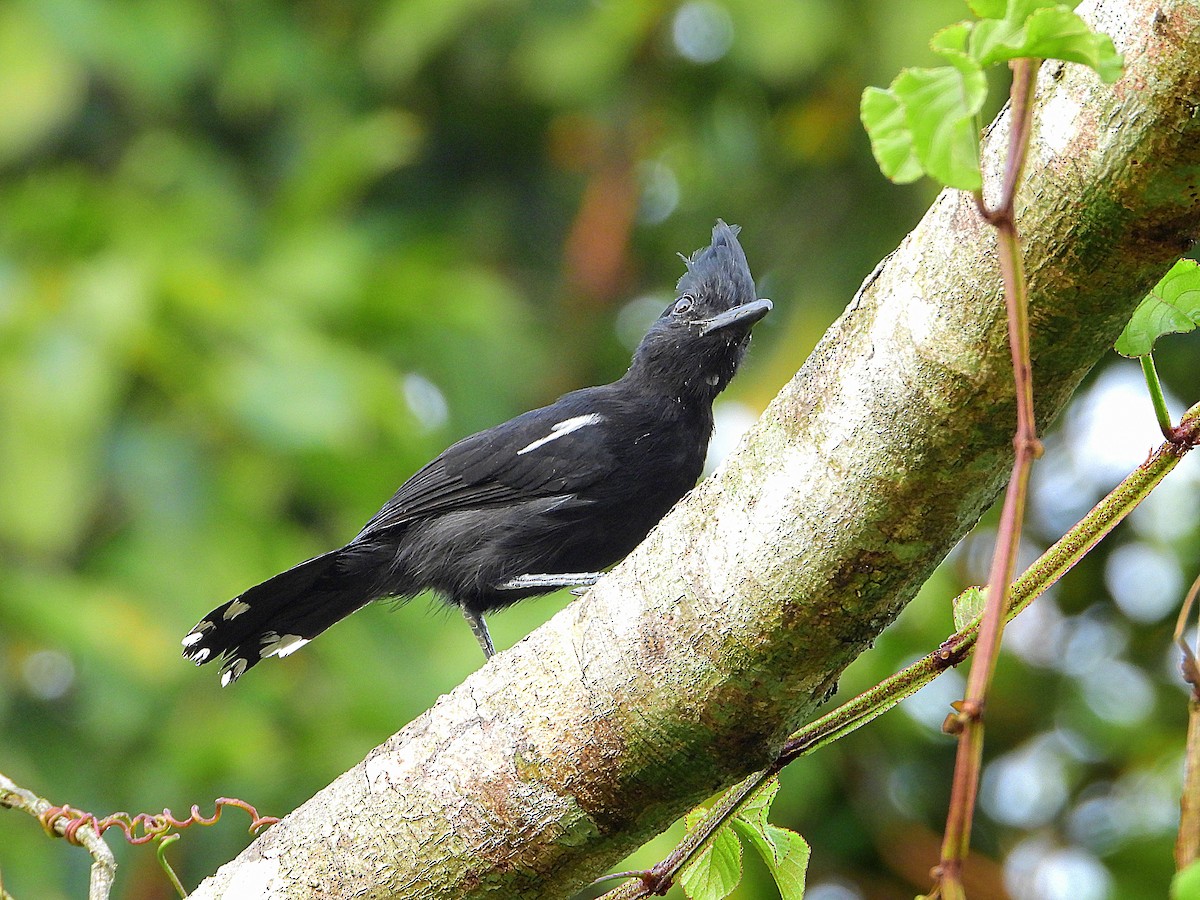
554,451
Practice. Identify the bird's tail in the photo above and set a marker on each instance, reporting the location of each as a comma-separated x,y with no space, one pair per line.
281,615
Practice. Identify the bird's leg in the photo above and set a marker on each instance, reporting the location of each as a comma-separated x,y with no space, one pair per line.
565,579
480,630
559,580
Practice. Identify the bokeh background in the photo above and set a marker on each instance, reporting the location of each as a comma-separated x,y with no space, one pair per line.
260,261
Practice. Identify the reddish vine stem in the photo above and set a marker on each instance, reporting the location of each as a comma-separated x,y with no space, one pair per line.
968,722
143,827
87,830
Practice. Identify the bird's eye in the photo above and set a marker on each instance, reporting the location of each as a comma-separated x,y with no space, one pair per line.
683,304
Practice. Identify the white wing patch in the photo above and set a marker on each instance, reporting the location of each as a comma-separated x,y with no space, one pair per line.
562,429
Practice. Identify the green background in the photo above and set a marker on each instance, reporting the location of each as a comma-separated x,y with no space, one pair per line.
259,262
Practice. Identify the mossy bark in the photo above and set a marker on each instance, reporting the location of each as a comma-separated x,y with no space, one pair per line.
685,669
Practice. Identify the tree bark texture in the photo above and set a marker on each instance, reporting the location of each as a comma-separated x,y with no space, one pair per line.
686,668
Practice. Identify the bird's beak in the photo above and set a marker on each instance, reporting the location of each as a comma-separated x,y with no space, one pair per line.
746,314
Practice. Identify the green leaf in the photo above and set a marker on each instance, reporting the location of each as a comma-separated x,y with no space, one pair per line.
784,852
754,811
1172,307
925,121
883,116
968,606
1033,28
940,106
42,86
951,42
1186,883
1059,33
715,873
791,866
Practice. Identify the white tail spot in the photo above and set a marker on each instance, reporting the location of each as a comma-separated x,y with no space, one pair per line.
281,646
192,638
233,671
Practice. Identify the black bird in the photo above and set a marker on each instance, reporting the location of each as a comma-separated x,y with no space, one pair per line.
543,501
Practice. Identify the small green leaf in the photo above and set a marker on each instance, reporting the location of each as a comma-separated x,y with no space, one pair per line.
784,852
1059,33
1172,307
1034,28
715,873
791,862
891,141
925,121
1186,883
754,811
968,606
951,42
940,107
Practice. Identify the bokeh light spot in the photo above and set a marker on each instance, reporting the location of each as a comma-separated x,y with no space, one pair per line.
702,32
48,674
426,401
1144,581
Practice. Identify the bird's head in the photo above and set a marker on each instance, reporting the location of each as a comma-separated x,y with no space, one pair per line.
695,346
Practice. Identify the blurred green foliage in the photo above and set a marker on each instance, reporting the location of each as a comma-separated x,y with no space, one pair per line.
260,261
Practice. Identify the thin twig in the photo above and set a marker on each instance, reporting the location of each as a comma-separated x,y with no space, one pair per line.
1187,842
104,865
1191,672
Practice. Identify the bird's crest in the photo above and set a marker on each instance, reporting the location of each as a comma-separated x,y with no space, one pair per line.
719,268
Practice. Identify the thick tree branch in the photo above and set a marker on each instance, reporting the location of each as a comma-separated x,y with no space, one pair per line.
684,671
